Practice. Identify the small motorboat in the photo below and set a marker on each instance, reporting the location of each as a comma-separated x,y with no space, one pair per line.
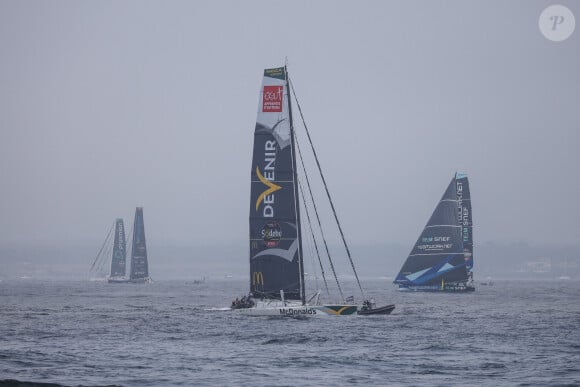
369,308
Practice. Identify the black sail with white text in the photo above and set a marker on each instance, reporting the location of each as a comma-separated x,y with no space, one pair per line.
275,263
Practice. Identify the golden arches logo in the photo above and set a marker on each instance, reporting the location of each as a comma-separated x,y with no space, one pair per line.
258,278
271,188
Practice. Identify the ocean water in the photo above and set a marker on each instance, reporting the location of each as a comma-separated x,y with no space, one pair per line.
166,333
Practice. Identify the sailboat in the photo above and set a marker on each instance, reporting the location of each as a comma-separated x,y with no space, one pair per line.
139,264
119,258
442,258
277,286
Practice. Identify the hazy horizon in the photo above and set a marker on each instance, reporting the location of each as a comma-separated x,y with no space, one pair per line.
381,260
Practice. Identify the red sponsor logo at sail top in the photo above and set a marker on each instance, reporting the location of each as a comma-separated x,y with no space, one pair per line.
272,99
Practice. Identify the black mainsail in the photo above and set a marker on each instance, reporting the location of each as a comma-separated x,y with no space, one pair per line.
118,261
139,264
442,258
275,241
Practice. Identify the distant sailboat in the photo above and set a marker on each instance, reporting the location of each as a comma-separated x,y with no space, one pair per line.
139,270
442,258
277,285
139,264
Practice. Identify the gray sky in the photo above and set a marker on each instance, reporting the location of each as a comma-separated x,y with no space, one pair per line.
109,105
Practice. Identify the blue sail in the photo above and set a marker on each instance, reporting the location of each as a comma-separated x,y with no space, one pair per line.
442,257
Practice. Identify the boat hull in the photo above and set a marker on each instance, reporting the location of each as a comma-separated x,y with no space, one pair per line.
296,310
117,280
146,280
387,309
448,287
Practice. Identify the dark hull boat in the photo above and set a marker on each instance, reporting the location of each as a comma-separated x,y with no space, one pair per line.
442,258
387,309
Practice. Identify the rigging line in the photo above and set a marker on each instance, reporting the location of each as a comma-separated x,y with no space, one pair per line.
98,267
109,249
313,266
317,216
312,233
108,254
102,247
327,192
308,242
104,260
295,186
311,239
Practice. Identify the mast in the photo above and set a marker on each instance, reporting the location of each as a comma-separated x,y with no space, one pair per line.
296,197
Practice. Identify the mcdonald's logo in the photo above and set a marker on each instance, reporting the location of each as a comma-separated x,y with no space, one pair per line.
258,278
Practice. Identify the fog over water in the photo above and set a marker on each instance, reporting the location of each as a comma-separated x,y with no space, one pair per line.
105,106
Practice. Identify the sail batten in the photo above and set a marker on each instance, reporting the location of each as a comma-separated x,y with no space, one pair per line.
442,257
